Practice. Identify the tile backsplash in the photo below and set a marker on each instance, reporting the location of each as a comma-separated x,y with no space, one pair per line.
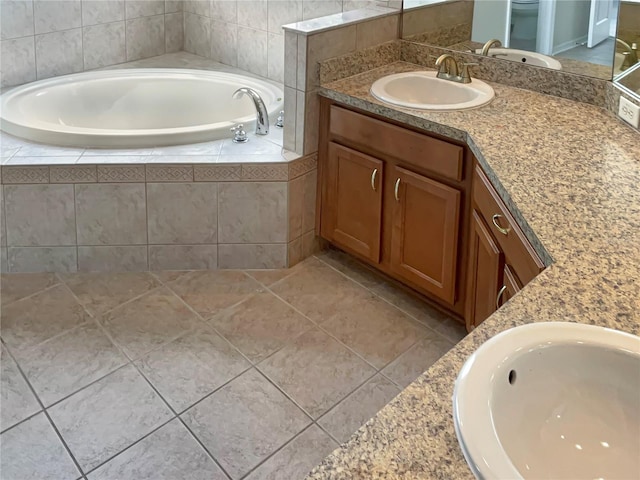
46,38
248,33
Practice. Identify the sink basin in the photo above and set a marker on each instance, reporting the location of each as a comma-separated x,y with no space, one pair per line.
551,401
522,56
424,91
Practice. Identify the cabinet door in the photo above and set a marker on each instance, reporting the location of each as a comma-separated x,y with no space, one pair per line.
486,263
354,201
511,285
424,237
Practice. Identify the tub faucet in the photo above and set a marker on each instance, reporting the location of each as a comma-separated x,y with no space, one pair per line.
630,55
488,45
262,119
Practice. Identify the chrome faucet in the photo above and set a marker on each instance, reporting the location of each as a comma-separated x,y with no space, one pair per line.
489,44
262,119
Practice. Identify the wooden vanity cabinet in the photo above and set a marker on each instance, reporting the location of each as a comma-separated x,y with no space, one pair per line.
395,198
501,260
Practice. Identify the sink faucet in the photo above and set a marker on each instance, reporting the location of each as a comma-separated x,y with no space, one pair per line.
448,69
630,56
489,44
262,119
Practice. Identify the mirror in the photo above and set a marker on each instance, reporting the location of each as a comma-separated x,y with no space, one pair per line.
627,53
576,36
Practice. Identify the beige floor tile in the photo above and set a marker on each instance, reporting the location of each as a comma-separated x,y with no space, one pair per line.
31,321
108,416
149,321
452,329
166,276
376,330
316,371
32,450
208,292
192,366
69,362
101,292
355,410
260,325
409,366
269,277
169,453
17,401
320,292
410,304
244,422
19,285
351,267
297,458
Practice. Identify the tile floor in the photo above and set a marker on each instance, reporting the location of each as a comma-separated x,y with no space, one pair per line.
601,54
203,374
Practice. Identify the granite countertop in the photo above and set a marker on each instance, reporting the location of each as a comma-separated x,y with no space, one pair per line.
570,173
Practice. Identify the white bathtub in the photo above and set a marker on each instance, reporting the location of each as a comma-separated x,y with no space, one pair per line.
134,107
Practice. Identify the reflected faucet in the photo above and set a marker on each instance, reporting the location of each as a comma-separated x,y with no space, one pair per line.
262,119
630,56
489,44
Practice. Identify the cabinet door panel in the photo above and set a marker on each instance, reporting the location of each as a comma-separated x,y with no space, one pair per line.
355,201
511,285
424,239
486,263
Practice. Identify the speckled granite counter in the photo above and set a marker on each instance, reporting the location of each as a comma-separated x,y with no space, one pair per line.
570,173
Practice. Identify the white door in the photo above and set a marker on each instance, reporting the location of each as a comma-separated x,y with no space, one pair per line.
599,21
491,19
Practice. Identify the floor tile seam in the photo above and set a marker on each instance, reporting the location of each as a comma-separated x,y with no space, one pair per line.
49,419
21,421
206,322
271,284
28,297
313,419
144,437
282,447
319,327
408,314
48,340
126,302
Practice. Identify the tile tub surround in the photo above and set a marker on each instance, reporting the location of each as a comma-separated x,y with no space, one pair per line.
571,167
189,210
138,349
46,38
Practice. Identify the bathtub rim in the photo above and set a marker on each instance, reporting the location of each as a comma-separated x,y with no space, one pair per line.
141,138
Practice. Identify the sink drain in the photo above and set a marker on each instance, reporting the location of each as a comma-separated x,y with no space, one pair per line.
512,377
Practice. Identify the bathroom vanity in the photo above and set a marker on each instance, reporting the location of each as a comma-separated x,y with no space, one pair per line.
559,177
419,208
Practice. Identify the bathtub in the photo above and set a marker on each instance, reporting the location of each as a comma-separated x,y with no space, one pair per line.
144,107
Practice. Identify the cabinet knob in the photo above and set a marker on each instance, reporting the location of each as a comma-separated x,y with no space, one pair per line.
499,297
494,219
374,174
395,190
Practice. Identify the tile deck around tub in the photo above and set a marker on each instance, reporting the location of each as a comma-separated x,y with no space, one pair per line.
255,374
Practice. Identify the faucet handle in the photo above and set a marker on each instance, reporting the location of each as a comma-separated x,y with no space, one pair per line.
240,136
465,76
280,120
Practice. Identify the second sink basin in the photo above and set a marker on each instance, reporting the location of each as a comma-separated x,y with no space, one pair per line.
424,91
522,56
551,401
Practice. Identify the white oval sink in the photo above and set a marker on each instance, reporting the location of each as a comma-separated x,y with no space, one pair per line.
522,56
424,91
551,401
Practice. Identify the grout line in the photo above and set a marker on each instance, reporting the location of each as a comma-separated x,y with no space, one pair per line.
44,410
31,295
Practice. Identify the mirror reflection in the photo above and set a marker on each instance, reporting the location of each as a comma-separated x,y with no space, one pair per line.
578,36
627,54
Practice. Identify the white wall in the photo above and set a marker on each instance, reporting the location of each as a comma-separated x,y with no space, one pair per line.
572,24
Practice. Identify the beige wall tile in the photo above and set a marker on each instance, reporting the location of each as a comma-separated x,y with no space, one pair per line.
112,259
169,173
25,174
376,31
296,207
42,259
111,214
183,257
311,122
309,206
217,173
252,212
73,174
324,45
252,256
290,59
182,213
289,134
294,252
120,173
39,215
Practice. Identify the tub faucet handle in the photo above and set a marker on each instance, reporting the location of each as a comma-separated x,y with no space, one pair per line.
280,120
239,135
